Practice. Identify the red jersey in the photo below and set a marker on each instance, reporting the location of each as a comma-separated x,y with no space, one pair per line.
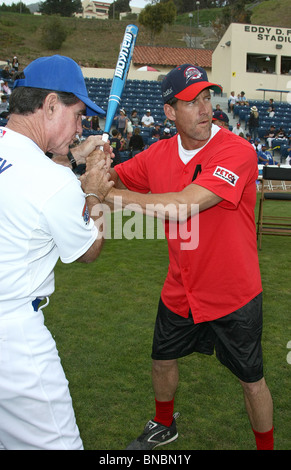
222,273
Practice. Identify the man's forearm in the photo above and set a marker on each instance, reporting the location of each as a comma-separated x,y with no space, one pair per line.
172,205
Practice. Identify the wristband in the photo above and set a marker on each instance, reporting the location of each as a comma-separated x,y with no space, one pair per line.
95,195
72,159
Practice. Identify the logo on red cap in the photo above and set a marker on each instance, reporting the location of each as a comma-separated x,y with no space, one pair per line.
191,73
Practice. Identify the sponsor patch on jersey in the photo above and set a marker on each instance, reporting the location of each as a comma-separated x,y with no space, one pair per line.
85,214
2,132
226,175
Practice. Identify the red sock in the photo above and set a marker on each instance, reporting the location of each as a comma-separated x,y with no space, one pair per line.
164,412
265,440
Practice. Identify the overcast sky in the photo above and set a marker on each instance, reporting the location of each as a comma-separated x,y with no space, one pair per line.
133,3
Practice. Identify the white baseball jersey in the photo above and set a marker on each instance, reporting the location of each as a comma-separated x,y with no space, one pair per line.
43,217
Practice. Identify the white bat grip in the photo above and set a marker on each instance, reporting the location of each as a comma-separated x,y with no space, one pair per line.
105,137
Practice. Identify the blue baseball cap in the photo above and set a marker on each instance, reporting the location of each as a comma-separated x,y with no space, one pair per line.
220,116
58,73
185,82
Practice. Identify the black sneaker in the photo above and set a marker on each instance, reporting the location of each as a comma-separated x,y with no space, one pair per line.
154,435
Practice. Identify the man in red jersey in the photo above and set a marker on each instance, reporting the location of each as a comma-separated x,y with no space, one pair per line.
211,298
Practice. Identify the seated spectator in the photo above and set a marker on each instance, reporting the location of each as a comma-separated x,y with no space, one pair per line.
220,119
166,134
169,123
156,132
86,123
270,136
271,112
237,129
134,118
95,123
147,120
123,142
242,99
232,101
4,107
136,143
6,73
271,105
281,134
5,88
288,158
15,63
257,145
265,157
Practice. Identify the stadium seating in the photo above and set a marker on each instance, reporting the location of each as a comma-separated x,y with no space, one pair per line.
282,116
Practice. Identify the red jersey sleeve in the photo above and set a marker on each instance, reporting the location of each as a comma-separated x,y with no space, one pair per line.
230,169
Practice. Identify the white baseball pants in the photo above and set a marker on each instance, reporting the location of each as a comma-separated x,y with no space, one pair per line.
36,409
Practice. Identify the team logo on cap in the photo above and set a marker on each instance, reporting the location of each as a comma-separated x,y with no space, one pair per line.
191,73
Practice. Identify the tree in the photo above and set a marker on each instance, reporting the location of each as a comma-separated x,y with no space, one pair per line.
154,17
15,8
60,7
118,6
53,33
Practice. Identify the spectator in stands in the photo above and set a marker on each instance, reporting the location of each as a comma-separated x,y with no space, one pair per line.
147,120
270,136
86,123
5,88
254,122
220,119
136,143
4,107
271,112
156,132
122,121
288,158
237,129
271,105
232,100
281,134
95,123
265,157
249,138
257,145
166,134
168,123
129,129
134,118
6,73
116,145
123,142
242,99
15,63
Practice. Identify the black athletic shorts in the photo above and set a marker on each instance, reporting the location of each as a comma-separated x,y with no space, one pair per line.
236,338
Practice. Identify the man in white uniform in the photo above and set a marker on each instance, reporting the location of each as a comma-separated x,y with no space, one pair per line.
45,215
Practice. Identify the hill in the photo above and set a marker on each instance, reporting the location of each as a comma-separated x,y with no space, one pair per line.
96,42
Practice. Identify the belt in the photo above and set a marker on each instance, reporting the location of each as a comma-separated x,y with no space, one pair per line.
35,304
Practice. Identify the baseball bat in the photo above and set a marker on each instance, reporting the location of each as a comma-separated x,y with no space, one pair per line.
120,76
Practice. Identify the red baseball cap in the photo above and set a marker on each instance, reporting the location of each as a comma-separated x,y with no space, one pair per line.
185,82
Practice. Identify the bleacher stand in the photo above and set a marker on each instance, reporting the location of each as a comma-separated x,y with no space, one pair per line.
282,118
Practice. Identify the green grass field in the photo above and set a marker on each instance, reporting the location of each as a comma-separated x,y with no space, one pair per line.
102,317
